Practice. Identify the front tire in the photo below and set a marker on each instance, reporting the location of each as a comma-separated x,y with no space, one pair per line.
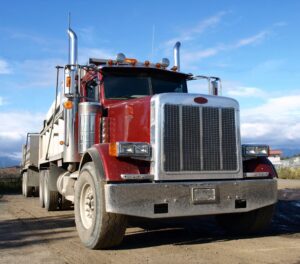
97,228
247,223
50,197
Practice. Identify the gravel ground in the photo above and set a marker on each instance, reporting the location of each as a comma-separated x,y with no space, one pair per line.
29,234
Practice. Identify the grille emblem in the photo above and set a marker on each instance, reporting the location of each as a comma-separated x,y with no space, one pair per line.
200,100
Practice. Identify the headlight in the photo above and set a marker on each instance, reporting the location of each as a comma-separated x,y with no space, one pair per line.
129,149
255,150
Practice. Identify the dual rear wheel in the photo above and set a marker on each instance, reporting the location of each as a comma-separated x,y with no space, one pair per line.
48,199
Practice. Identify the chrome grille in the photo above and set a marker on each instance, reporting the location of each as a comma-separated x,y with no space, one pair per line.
199,139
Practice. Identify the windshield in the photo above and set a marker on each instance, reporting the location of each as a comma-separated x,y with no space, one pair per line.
126,84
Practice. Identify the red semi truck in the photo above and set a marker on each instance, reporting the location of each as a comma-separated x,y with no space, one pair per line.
125,138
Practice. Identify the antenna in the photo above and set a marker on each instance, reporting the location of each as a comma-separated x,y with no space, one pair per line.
153,35
69,19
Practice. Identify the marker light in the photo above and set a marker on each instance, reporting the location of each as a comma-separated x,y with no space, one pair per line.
147,63
68,104
174,68
131,61
110,62
68,81
158,65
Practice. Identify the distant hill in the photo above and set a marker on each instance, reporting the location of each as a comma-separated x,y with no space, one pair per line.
10,172
8,162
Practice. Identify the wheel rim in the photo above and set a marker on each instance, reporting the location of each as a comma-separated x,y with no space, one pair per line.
87,206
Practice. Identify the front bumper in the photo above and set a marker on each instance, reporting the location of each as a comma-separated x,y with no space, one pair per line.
176,199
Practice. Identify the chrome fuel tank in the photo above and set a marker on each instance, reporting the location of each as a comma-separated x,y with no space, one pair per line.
88,112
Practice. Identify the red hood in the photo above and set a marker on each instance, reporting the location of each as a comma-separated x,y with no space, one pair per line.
130,120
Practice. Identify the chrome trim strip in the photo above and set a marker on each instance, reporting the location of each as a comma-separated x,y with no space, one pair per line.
256,174
220,138
201,136
140,177
180,137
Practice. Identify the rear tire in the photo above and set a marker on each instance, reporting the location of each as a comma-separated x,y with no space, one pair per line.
97,228
41,189
50,197
27,191
247,223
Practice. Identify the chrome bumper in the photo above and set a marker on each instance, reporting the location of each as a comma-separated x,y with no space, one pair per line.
162,200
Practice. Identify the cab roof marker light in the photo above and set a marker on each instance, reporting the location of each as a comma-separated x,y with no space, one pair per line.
131,61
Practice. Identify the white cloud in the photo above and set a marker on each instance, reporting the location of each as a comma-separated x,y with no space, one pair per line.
2,101
14,127
252,39
86,53
37,73
275,122
4,67
242,91
193,32
192,56
28,37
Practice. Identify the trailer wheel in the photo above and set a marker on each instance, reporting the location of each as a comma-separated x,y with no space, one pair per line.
247,223
41,189
50,197
26,190
97,228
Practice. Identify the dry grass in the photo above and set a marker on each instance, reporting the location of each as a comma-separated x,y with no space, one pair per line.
11,172
10,180
289,173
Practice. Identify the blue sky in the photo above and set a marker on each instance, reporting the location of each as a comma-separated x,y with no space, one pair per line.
253,46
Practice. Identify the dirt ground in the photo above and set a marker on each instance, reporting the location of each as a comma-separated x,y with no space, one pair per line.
29,234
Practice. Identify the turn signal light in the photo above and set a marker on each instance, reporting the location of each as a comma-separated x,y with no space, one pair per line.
174,68
68,104
113,149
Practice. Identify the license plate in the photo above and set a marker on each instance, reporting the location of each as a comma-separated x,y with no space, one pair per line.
204,195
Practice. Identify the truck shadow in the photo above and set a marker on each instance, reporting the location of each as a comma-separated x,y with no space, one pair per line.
201,230
30,231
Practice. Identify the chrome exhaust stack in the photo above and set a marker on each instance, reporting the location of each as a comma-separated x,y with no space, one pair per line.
177,55
70,89
73,48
